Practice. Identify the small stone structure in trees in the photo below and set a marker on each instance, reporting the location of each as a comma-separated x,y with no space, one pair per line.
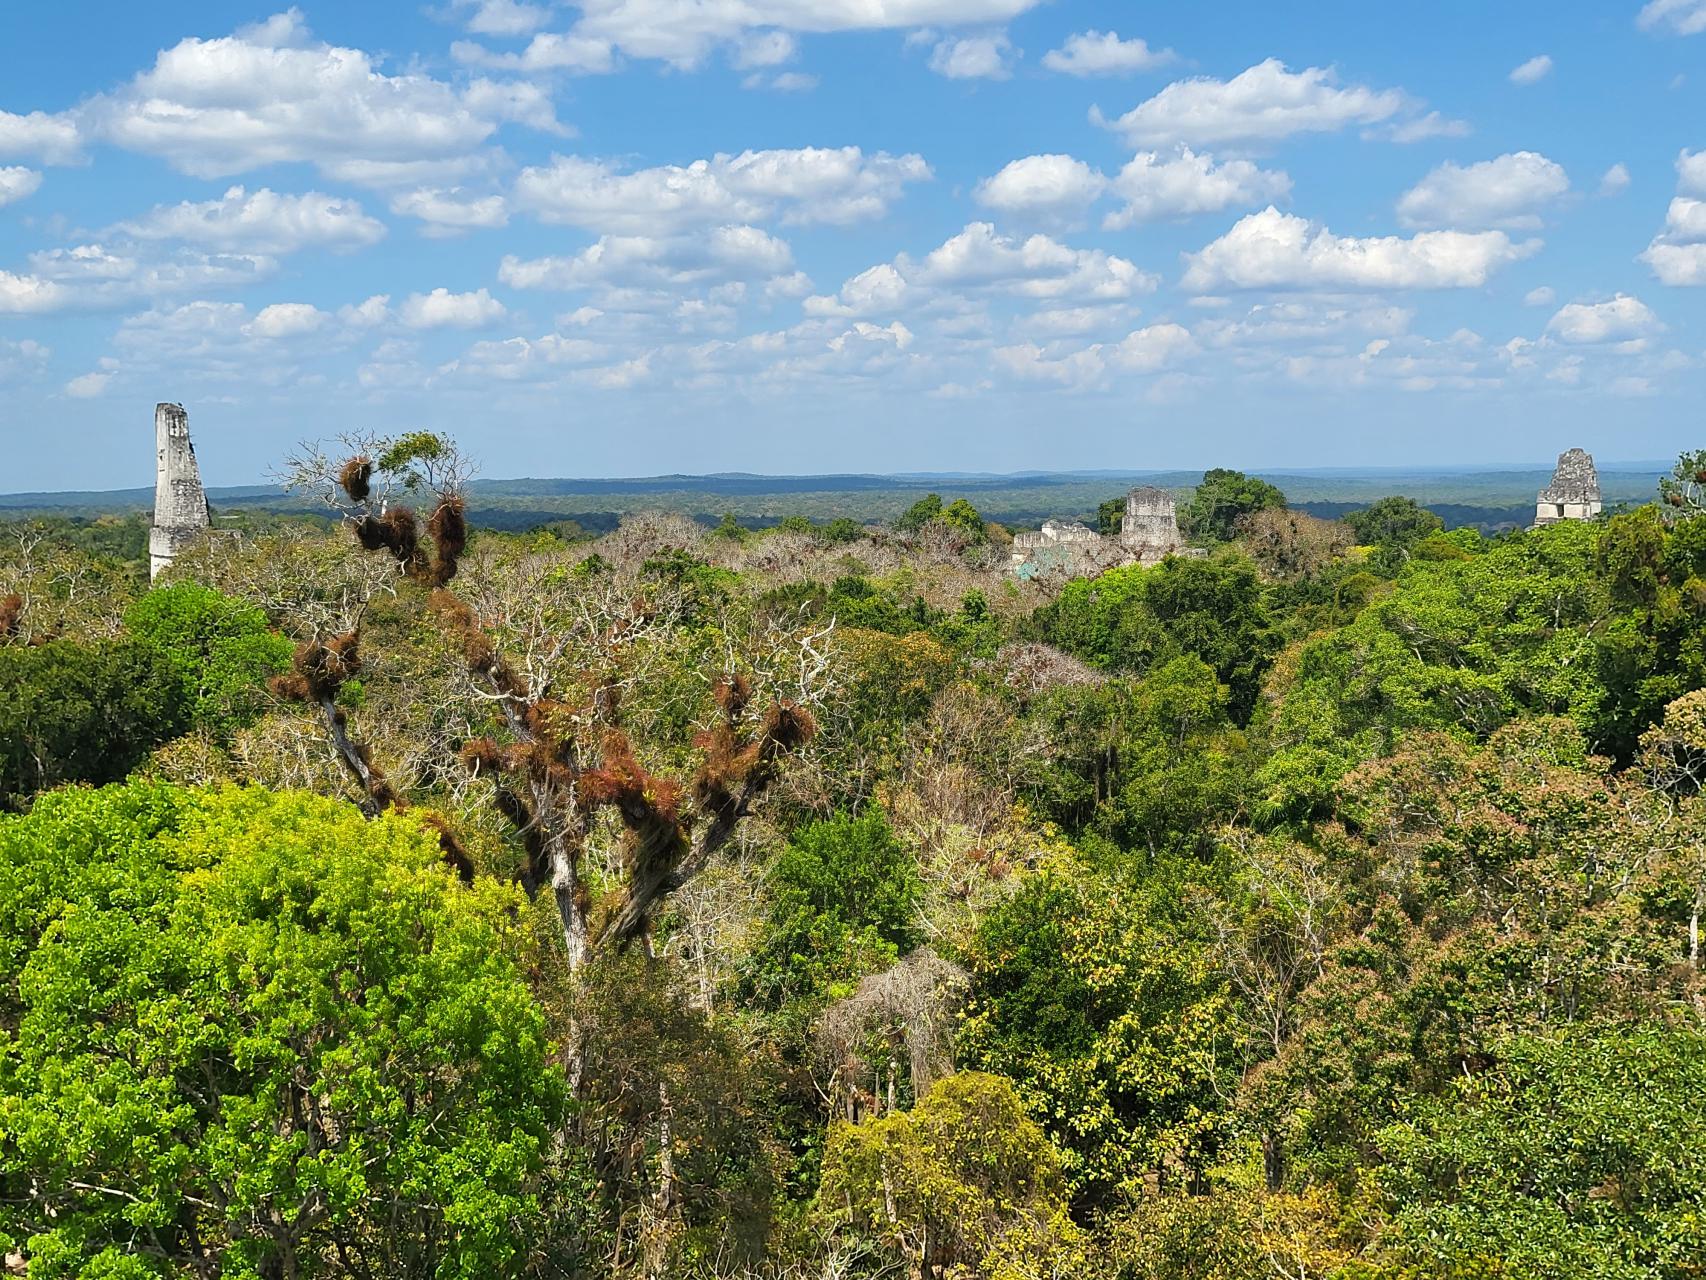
180,503
1574,491
1149,532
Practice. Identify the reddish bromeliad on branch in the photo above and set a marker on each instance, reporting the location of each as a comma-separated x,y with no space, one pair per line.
555,763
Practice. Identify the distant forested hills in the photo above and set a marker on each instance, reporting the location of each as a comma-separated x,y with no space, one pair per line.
1487,499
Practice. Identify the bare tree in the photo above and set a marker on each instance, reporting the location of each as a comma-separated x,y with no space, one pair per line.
548,653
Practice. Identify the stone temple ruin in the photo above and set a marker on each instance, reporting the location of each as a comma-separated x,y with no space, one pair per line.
1573,493
1149,532
180,503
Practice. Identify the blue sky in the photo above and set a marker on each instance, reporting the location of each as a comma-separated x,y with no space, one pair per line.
621,237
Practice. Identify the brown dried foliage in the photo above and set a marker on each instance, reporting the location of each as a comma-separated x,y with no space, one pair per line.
320,668
455,856
449,530
355,478
11,615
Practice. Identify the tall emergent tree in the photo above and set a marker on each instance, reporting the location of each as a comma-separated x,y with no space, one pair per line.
557,753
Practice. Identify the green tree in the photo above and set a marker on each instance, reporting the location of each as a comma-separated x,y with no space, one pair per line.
1112,1022
220,649
73,712
960,515
1134,619
920,513
965,1183
1110,516
1222,499
843,902
1581,1153
1393,522
249,1033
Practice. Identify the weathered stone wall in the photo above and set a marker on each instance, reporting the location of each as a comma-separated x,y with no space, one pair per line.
180,503
1574,492
1149,533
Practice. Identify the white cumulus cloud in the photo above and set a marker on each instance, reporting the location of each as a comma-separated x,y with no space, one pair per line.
1533,71
1274,250
1103,53
1615,180
448,211
1155,187
1683,17
1262,104
683,32
547,51
808,184
271,94
1037,267
52,139
88,385
1618,320
286,320
262,222
1046,186
979,57
442,309
1691,172
1677,255
17,182
1503,192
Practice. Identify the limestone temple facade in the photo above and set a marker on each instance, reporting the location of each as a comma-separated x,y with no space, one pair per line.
1573,493
180,503
1149,532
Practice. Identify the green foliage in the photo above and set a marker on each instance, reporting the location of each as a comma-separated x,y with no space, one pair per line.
254,1034
962,516
1221,500
1574,1154
1113,1024
1393,522
843,902
959,515
72,712
841,529
1458,645
920,513
1134,619
965,1181
1110,516
221,651
1684,489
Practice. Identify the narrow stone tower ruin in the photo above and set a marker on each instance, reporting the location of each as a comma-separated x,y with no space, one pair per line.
180,503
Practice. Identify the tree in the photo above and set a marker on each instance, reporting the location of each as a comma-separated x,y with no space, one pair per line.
558,753
843,900
1112,1021
961,516
963,1181
253,1034
1134,619
1292,544
920,513
222,650
1683,491
72,712
1572,1154
1110,516
1221,500
1393,522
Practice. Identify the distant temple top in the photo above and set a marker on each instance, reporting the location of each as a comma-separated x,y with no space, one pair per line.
180,503
1574,491
1149,533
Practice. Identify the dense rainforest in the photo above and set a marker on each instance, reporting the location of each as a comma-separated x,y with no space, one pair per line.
382,897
